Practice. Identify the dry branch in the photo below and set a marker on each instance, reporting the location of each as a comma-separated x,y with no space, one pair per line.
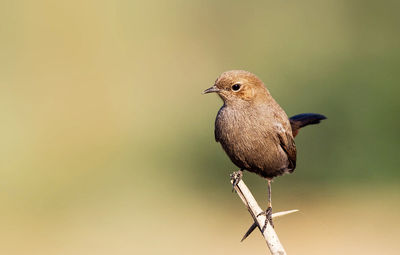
269,234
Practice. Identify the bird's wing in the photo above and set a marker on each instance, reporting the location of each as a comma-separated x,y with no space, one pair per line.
288,145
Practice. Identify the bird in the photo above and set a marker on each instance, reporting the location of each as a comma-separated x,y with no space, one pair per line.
255,131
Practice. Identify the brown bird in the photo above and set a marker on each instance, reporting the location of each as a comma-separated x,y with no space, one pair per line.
254,130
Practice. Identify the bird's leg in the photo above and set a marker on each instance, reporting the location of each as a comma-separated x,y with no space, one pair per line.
268,212
269,209
236,177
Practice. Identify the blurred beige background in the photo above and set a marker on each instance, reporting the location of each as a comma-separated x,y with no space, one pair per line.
108,146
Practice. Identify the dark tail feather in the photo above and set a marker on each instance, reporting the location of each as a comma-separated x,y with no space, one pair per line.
304,119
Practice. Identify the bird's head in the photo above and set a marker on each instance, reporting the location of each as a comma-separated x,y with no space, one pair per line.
238,86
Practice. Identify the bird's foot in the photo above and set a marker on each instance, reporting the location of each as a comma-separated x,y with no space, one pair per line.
236,177
268,215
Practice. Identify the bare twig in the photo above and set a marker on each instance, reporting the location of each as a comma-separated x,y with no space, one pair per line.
269,234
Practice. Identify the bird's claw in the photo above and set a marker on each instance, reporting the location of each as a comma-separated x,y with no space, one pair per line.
268,215
236,177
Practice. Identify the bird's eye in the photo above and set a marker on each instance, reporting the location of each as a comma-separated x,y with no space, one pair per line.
236,87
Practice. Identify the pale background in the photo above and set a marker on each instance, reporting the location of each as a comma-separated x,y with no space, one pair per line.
107,142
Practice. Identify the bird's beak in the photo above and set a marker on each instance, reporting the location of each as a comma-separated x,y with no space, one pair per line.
211,90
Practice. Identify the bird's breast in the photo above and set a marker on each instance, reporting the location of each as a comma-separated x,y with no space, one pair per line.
242,125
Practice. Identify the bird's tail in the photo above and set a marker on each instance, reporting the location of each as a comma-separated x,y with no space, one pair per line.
304,119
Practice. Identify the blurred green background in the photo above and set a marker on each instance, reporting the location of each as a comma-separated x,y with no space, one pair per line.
108,146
